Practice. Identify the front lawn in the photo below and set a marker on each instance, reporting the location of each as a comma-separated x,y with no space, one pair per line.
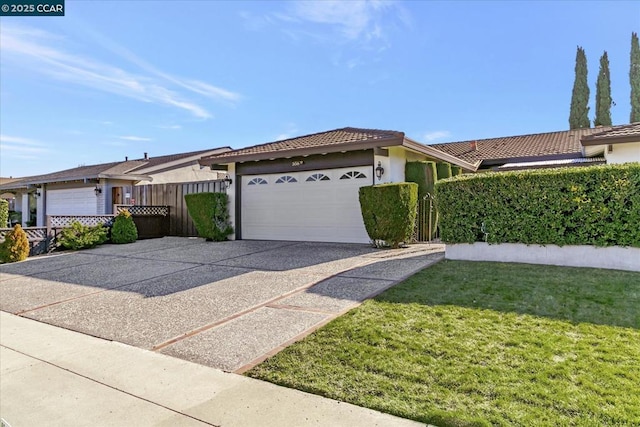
471,343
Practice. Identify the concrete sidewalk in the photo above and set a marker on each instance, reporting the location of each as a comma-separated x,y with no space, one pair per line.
56,377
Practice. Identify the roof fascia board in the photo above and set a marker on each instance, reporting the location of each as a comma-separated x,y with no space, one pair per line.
335,148
432,152
602,140
184,161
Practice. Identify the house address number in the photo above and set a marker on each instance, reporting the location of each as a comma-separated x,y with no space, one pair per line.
297,163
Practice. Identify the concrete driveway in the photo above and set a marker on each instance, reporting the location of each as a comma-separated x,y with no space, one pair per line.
227,305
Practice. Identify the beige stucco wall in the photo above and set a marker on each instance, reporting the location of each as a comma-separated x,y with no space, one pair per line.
189,173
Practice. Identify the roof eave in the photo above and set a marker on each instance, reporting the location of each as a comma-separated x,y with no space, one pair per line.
441,155
603,140
336,148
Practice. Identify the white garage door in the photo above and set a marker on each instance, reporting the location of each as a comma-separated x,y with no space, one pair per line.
72,201
318,206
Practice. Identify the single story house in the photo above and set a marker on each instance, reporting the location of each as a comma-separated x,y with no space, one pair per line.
306,188
620,144
95,189
534,151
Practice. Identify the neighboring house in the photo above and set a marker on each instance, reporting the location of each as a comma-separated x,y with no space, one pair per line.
94,189
540,150
306,188
620,144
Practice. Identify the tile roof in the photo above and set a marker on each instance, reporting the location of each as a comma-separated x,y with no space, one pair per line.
551,144
335,139
128,167
622,133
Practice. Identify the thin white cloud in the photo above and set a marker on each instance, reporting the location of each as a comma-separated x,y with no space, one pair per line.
363,22
290,132
134,138
23,148
171,127
33,49
436,135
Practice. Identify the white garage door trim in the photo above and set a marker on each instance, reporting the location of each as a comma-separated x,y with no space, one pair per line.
72,201
318,205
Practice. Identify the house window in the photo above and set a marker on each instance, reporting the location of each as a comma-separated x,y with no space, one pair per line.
257,181
286,178
318,177
353,175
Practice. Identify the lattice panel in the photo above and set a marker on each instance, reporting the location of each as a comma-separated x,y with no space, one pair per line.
144,210
66,220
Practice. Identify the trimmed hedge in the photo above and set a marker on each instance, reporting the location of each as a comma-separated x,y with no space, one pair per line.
389,212
456,170
598,205
424,174
4,213
210,215
443,170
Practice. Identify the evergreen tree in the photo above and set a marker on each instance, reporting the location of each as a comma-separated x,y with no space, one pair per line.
579,115
603,93
634,79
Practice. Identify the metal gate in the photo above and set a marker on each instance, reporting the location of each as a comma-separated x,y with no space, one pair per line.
426,220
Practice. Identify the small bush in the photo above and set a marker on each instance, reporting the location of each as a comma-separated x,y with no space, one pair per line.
78,236
124,230
389,212
4,213
15,246
210,215
456,170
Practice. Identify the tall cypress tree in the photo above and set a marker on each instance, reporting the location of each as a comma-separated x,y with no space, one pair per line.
603,93
579,115
634,79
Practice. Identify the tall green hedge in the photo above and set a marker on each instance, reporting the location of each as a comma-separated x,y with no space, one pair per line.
389,212
443,170
456,170
597,205
210,215
4,213
424,174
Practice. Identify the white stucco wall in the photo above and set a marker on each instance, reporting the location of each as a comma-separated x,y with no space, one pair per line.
614,257
623,153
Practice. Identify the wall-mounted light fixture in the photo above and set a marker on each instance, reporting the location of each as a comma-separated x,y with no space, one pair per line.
97,190
379,171
37,193
227,181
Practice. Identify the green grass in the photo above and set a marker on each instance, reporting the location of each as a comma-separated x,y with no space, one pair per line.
465,344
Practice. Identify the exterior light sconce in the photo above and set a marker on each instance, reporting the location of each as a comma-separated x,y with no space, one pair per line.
379,171
37,193
97,190
227,181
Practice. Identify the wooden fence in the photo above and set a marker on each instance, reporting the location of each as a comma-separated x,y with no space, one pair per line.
172,195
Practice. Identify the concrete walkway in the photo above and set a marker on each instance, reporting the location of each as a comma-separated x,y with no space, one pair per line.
51,376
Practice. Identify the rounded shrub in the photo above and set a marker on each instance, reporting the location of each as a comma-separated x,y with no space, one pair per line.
124,230
15,246
78,236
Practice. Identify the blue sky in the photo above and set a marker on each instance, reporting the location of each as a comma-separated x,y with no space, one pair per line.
120,78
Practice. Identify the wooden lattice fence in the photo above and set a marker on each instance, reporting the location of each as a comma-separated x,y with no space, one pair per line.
172,197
